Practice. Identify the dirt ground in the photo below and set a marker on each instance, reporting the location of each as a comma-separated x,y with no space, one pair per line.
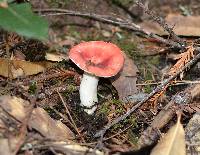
52,95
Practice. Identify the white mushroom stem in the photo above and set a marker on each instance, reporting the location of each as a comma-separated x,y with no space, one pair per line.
88,92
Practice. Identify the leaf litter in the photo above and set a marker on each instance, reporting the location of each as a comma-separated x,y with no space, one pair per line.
49,119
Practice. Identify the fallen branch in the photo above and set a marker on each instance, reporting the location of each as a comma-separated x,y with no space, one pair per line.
162,23
126,24
150,135
156,90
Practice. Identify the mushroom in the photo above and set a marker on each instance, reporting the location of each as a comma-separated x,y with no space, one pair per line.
96,59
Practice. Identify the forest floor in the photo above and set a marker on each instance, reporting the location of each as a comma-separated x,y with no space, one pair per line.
40,110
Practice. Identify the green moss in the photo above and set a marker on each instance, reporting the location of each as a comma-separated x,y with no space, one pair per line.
131,120
128,47
132,137
32,88
148,75
71,88
119,109
155,60
116,102
117,126
147,89
126,43
104,109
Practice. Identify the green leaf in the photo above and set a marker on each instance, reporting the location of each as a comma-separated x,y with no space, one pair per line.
20,19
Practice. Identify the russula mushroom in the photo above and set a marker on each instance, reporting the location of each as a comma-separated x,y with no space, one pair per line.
96,59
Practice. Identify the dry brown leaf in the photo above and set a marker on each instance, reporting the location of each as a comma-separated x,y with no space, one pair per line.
40,120
16,107
125,82
56,57
182,25
52,129
173,143
7,146
17,68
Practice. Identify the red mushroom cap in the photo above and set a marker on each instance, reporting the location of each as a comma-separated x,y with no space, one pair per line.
100,58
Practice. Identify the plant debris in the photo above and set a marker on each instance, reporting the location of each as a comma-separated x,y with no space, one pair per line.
40,110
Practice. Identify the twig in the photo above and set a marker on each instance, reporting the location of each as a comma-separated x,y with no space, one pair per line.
162,23
157,89
61,115
126,24
183,82
70,117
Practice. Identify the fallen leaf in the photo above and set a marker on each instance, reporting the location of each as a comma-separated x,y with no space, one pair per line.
56,57
7,146
2,125
17,68
182,25
52,129
173,143
125,82
4,147
40,120
16,107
